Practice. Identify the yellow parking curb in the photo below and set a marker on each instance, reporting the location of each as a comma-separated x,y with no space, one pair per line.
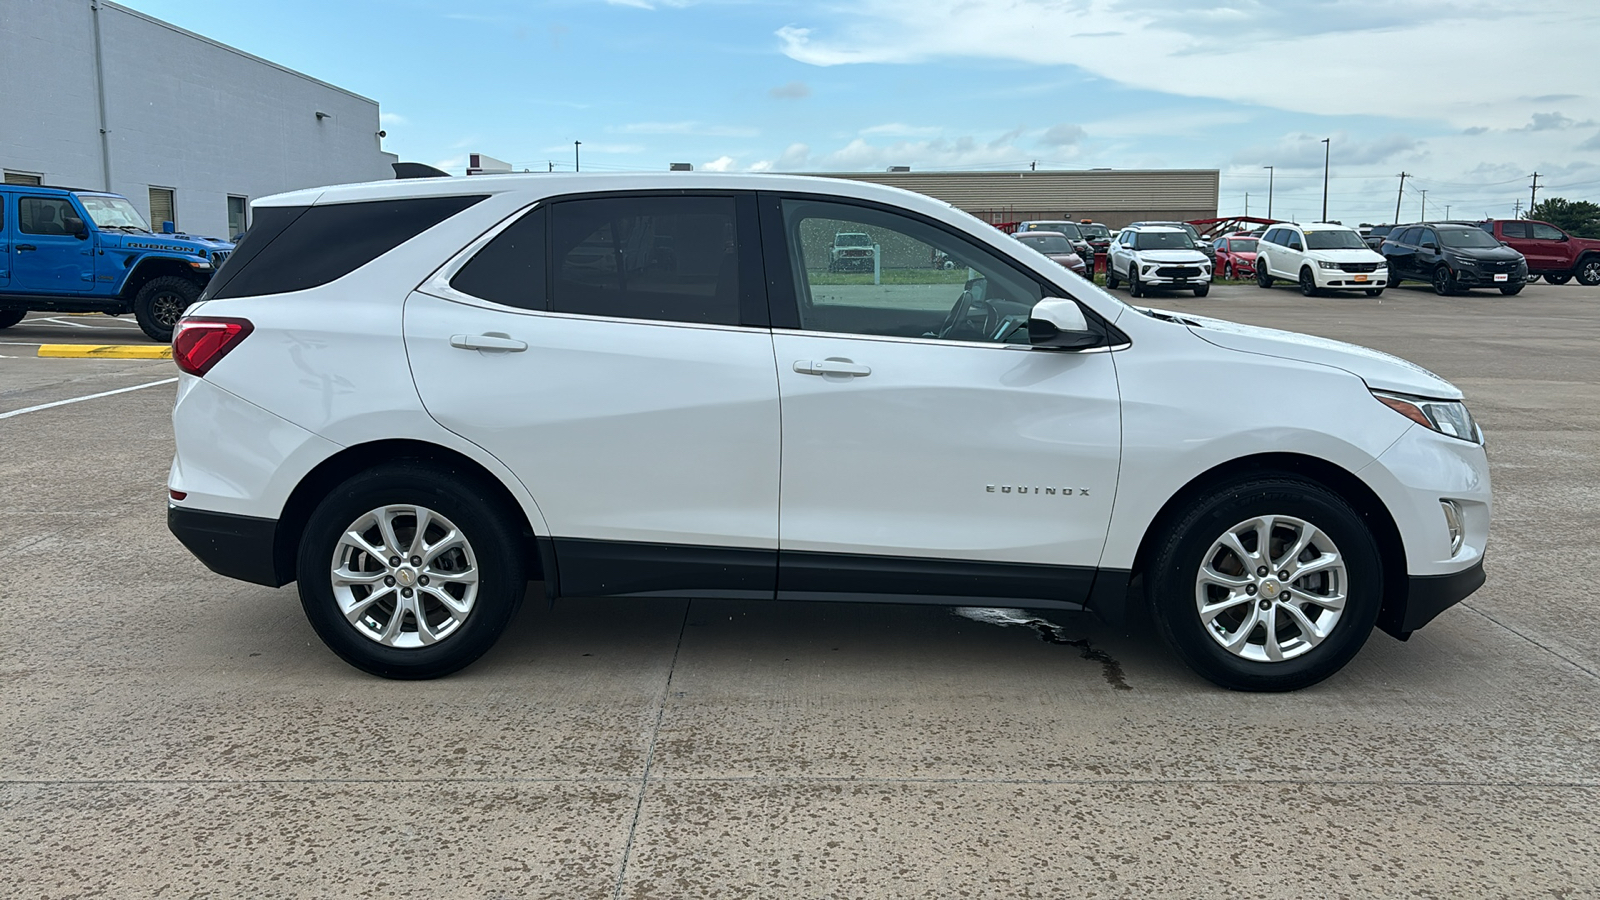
106,351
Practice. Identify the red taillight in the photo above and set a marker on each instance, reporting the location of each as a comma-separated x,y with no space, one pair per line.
199,343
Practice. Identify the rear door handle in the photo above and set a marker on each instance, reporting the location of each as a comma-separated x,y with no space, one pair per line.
494,341
831,366
24,248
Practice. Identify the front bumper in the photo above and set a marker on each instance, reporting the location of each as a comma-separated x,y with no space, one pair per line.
1467,276
1426,597
1338,279
242,547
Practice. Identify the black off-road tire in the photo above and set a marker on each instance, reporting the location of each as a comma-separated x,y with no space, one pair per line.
10,317
1183,545
161,302
473,507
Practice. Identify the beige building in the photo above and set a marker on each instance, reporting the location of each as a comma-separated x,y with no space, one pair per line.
1113,197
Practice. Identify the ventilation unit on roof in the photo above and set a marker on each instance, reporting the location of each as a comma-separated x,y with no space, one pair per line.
899,169
680,167
483,164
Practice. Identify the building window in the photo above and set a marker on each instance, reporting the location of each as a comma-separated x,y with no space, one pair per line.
23,178
161,209
238,216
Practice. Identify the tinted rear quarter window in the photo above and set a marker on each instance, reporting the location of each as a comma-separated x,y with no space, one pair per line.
304,247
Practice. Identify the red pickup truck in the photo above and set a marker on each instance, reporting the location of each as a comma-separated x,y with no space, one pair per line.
1551,252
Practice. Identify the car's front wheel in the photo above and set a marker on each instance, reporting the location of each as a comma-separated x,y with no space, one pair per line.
1202,289
1511,290
1444,282
1135,289
1308,282
11,317
1266,584
1111,278
1374,292
410,570
160,304
1262,278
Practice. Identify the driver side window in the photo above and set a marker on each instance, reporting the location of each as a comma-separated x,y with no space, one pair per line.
860,270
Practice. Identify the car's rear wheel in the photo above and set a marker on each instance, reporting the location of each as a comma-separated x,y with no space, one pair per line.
1267,584
11,317
1308,282
1444,282
1262,278
1562,278
1589,271
160,304
411,570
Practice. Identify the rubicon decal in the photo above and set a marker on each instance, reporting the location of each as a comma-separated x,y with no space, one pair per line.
1044,491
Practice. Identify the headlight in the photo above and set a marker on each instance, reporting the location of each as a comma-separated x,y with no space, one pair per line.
1327,265
1448,417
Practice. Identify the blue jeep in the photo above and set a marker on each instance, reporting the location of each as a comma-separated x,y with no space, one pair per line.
68,250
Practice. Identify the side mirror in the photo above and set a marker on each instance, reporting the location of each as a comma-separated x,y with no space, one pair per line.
1430,245
75,227
1058,323
1565,237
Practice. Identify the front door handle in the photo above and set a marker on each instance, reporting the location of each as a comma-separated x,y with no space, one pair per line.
833,365
24,248
494,341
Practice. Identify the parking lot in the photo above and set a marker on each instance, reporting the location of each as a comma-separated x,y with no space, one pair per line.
168,732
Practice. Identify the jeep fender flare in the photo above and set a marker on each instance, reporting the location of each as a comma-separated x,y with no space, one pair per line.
156,266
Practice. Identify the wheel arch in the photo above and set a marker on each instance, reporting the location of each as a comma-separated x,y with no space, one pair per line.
152,267
329,473
1361,497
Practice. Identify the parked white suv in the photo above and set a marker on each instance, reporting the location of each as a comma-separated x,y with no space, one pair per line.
1320,256
415,396
1157,256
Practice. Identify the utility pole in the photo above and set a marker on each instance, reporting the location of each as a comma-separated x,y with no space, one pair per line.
1447,212
1398,197
1533,196
1424,206
1271,172
1516,210
1327,157
575,167
1033,166
552,165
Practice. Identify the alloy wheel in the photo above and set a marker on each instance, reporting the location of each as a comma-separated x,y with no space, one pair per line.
1271,588
167,308
1589,273
404,576
1308,283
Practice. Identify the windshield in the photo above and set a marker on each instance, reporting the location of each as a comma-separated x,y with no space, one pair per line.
1162,240
112,212
1095,231
1334,240
1467,239
1241,246
1067,229
1046,243
851,240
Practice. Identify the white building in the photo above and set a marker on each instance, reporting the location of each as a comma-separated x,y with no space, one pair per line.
97,96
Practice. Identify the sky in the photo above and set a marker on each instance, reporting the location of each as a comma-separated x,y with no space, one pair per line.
1469,97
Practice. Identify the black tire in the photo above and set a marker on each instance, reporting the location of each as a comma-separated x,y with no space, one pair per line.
1533,279
1135,289
1308,282
1374,292
11,317
1589,271
1562,278
492,531
1262,278
1202,290
1111,279
1227,272
161,302
1511,290
1444,282
1173,594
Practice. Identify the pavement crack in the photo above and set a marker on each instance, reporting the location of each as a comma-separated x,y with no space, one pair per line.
1050,633
650,753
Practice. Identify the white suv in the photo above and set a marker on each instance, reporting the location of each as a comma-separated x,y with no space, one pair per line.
415,396
1157,256
1320,256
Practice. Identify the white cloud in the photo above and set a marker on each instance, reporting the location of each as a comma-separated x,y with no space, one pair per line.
720,164
897,129
698,129
387,118
794,159
1331,53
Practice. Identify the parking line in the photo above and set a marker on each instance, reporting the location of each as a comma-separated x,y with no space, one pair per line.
106,351
137,387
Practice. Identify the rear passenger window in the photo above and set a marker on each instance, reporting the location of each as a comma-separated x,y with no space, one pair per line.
1514,229
673,259
510,269
295,248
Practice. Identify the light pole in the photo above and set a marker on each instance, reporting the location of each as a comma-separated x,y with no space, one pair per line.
1424,206
1327,157
1272,171
575,156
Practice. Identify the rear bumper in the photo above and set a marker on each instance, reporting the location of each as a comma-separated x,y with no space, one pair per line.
1429,595
242,547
